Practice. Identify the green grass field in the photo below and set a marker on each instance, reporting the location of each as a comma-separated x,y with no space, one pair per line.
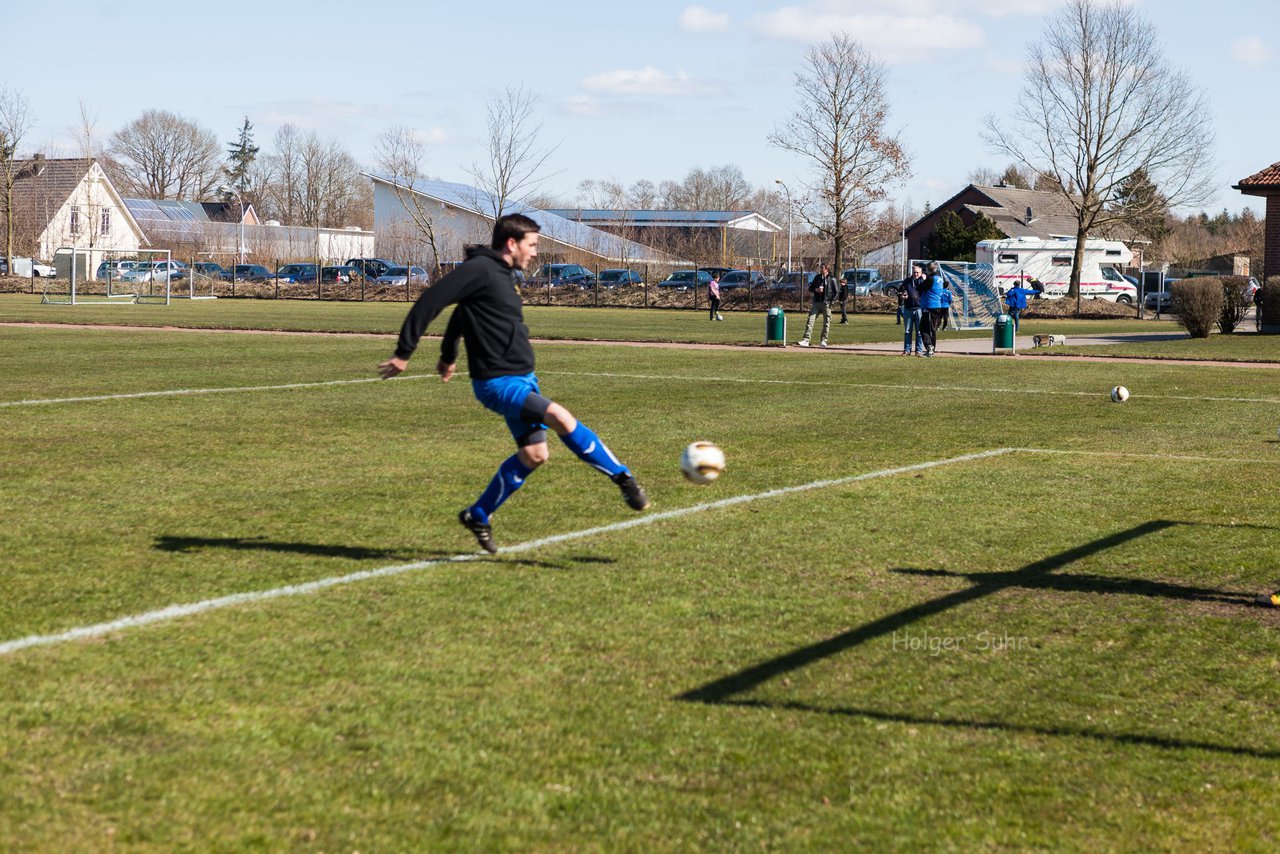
994,610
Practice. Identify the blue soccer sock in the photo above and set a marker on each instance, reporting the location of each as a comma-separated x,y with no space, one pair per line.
592,451
510,477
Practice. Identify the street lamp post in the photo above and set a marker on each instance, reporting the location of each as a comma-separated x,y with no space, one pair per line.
790,208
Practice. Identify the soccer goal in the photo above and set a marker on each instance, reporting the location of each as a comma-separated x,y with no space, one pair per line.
122,282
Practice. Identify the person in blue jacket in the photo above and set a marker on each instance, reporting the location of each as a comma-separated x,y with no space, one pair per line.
1016,299
932,305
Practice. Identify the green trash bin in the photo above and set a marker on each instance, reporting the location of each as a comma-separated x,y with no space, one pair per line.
1003,338
775,327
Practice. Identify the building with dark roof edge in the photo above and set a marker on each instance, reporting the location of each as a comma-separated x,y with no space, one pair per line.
1266,184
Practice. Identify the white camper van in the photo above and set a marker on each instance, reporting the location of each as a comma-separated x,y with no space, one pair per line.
1031,260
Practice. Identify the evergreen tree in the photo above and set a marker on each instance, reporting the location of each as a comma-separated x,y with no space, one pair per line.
954,241
240,157
1141,205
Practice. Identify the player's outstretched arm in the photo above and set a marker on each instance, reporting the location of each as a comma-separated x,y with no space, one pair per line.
392,367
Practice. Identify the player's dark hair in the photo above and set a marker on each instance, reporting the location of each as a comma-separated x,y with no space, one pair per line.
514,227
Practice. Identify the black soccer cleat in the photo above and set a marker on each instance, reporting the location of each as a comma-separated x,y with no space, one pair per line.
631,491
483,532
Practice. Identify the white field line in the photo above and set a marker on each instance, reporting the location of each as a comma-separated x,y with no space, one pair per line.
174,612
908,386
179,392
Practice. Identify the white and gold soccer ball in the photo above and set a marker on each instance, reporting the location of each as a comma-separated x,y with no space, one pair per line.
1119,394
702,462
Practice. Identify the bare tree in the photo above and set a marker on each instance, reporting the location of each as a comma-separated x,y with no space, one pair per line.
161,155
400,154
15,121
514,156
312,181
1099,104
839,129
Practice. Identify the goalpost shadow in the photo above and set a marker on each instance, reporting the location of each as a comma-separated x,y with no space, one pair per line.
727,690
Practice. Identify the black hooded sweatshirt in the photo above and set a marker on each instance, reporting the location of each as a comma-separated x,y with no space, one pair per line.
489,318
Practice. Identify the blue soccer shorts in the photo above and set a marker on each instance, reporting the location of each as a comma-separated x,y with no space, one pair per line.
518,400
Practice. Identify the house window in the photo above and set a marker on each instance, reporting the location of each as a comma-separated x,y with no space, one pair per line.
75,220
105,222
1061,261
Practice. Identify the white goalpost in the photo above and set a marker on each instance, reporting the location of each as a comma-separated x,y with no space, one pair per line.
137,284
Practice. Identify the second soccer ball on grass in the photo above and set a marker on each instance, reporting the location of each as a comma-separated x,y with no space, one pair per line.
702,462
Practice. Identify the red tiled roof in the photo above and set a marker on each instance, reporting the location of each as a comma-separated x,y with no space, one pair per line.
1269,177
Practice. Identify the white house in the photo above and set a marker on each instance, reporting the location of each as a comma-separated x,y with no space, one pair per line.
60,204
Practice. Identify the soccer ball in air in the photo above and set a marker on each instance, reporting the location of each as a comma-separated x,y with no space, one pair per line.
1119,394
702,462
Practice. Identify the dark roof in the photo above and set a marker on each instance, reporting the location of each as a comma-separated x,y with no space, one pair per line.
1267,179
47,182
1051,215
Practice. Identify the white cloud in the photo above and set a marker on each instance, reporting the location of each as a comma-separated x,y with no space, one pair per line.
1251,51
699,19
884,33
581,105
645,81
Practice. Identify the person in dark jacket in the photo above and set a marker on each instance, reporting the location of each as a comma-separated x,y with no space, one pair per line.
844,298
490,320
911,313
823,289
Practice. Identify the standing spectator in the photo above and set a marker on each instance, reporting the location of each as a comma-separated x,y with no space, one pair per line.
844,296
823,289
931,307
713,292
902,298
910,296
945,316
1016,299
1257,309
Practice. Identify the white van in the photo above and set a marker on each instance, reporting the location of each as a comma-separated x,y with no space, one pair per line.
1032,261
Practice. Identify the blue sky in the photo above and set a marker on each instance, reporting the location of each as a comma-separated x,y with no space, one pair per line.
626,90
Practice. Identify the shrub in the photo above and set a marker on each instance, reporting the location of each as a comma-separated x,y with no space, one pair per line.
1236,300
1197,305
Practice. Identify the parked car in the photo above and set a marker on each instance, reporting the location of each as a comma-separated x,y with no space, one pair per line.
252,273
792,282
683,280
25,268
742,279
564,274
210,270
1160,301
618,278
297,273
863,281
718,272
339,275
371,268
403,275
113,269
156,271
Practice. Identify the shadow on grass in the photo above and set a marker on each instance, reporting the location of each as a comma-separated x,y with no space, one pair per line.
1139,739
192,544
726,690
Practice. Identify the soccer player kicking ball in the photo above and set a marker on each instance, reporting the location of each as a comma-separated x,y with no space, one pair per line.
489,318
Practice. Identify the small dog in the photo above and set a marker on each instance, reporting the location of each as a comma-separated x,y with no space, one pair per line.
1048,340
